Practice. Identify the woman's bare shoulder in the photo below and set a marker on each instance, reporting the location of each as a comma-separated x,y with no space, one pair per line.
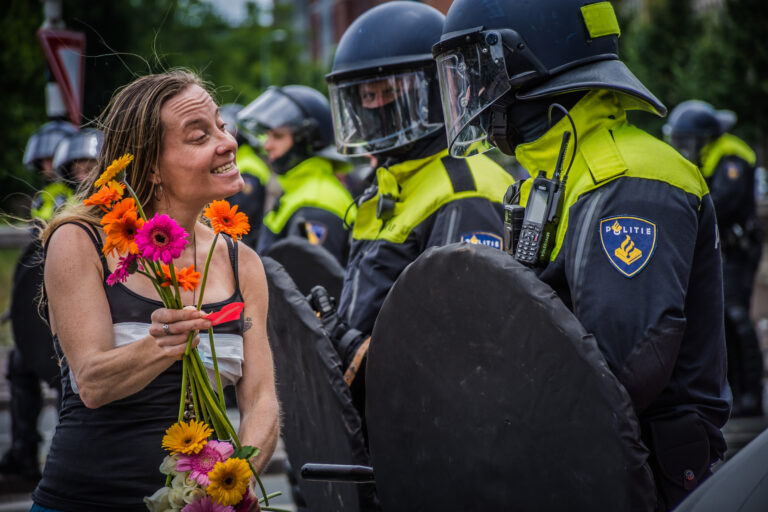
70,249
250,268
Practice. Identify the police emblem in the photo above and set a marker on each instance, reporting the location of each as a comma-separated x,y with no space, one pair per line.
316,232
628,242
733,171
482,238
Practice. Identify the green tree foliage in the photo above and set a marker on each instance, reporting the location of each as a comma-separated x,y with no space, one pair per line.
23,76
130,38
716,55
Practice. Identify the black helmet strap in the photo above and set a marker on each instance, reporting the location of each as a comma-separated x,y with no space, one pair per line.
500,127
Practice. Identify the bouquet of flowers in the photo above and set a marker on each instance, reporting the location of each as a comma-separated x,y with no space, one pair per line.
202,474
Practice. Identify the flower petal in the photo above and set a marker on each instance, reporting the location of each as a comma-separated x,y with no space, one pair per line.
226,314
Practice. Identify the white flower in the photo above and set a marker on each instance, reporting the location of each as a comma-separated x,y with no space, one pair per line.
168,466
192,494
159,501
176,498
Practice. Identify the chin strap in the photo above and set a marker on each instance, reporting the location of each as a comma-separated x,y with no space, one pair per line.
499,129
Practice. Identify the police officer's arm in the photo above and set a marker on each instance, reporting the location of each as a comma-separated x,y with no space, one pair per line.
731,185
373,268
320,227
462,219
639,320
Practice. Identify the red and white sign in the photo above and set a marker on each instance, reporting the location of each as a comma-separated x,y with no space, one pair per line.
65,53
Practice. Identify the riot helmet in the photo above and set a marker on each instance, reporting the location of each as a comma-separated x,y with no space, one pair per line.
693,124
77,155
301,110
494,54
383,86
42,144
228,114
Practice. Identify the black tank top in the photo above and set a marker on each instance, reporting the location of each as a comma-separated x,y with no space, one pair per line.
108,459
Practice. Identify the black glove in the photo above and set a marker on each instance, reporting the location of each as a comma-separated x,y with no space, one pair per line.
345,339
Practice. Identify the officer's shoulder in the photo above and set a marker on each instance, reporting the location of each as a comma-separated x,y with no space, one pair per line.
651,158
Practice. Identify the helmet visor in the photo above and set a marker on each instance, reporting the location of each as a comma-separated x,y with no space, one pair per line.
472,77
382,113
273,109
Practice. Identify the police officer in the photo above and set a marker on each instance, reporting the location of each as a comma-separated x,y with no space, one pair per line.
38,157
32,358
254,171
635,253
295,124
77,155
698,131
385,101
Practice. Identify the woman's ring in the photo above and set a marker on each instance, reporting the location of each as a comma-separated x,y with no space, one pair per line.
166,330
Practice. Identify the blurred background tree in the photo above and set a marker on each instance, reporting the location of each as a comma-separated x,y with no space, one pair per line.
712,51
131,38
680,49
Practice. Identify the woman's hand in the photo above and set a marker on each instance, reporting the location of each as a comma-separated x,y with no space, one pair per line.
171,327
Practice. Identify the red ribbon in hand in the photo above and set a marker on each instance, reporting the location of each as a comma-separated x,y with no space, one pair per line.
226,314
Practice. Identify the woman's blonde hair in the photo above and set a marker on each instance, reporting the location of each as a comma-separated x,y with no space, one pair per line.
131,124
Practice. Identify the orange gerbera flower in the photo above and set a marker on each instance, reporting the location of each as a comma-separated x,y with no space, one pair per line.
106,195
226,219
187,278
121,225
115,168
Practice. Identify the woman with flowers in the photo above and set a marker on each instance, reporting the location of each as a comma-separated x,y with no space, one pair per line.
109,262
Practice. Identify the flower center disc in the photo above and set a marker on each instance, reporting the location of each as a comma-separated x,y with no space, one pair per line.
159,238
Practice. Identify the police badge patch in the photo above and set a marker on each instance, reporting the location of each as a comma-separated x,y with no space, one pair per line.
733,171
628,242
482,238
316,232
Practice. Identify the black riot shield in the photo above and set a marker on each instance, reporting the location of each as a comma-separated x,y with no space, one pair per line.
308,264
31,333
484,392
320,424
741,484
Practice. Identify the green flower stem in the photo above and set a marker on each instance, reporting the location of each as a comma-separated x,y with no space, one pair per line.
258,481
207,384
219,419
189,343
270,496
184,369
219,389
274,509
194,391
136,200
205,271
172,270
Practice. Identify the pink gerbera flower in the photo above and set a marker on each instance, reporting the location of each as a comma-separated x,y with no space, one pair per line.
123,270
201,463
161,238
207,504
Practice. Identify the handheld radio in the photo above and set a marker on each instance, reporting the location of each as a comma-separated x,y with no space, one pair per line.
536,238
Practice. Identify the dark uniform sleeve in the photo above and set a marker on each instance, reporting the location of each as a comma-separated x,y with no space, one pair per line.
323,228
659,318
374,266
315,224
732,186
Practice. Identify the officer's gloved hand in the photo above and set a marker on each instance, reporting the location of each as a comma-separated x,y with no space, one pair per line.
345,340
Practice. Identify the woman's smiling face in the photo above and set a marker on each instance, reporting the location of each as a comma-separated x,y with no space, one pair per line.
197,163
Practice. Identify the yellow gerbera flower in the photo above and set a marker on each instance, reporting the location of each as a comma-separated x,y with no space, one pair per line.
187,438
114,169
229,480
